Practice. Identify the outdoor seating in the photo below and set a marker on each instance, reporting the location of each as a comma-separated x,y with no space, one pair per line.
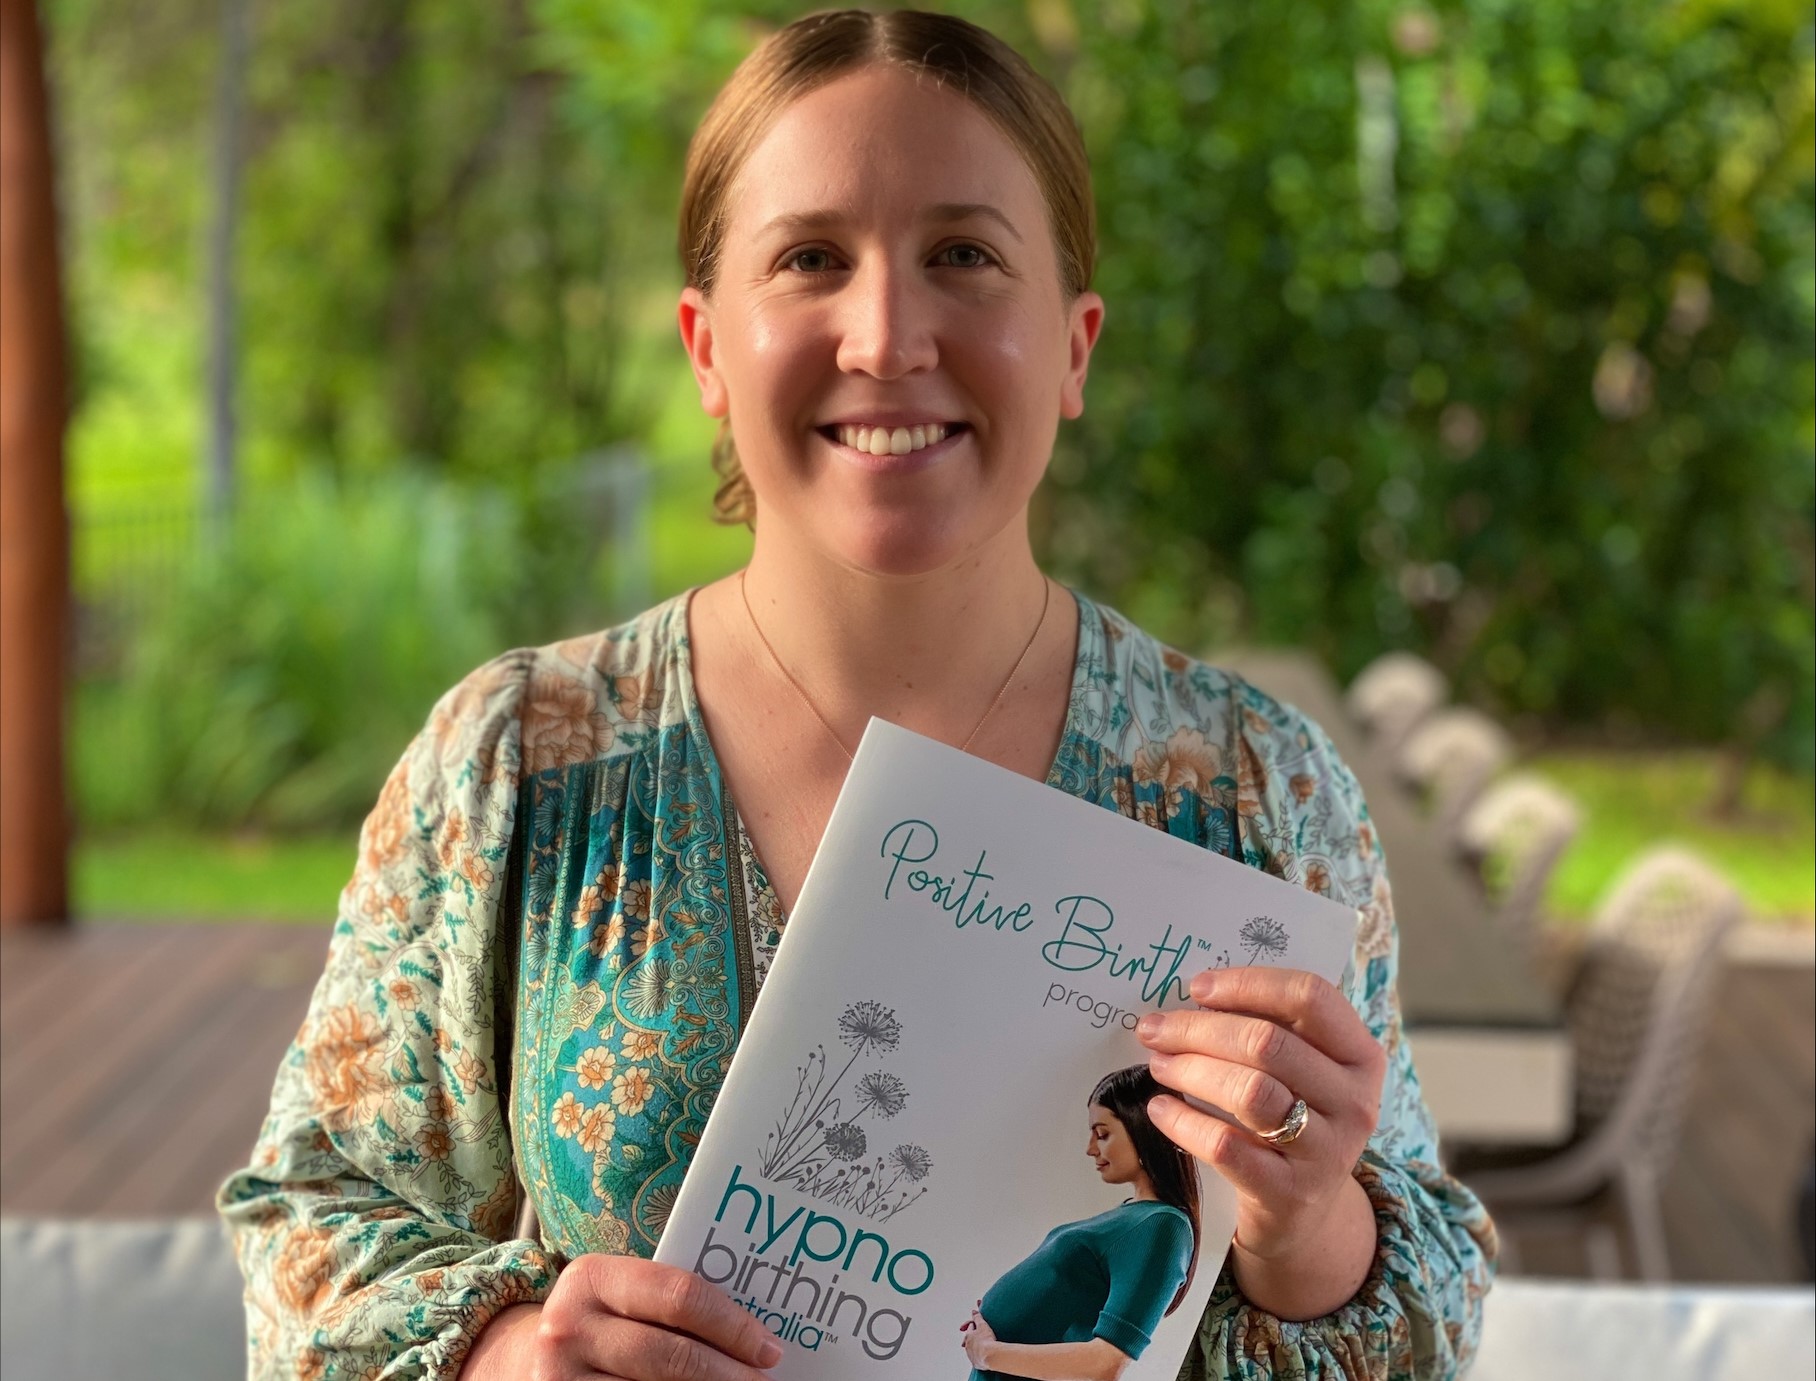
1514,834
1450,756
1636,1010
1392,694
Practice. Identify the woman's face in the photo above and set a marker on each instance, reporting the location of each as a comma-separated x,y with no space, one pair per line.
1110,1147
887,262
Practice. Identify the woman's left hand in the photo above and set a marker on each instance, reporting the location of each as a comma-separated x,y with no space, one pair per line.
978,1337
1263,1037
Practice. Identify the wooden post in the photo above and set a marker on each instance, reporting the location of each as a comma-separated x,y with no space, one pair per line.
34,525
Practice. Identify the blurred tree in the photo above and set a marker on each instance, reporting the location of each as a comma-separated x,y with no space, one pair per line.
1483,329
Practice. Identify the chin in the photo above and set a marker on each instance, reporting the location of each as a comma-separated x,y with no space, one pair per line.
904,542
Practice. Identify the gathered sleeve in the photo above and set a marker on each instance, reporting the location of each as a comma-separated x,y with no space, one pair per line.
373,1224
1418,1315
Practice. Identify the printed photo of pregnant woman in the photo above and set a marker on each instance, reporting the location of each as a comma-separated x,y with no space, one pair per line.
1085,1301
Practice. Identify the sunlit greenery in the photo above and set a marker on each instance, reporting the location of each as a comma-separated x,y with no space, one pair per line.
1482,328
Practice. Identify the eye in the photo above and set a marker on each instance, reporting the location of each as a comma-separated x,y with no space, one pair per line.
794,260
983,260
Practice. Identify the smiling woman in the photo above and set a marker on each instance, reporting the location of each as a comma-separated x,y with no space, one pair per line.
583,865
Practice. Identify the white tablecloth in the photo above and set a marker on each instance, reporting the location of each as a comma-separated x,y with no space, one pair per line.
1567,1330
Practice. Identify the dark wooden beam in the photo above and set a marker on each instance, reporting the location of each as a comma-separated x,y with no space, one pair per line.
34,524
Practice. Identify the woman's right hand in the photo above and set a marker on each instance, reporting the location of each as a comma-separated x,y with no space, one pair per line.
618,1318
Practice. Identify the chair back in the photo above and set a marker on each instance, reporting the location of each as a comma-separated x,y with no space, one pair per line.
1392,694
1638,1005
1518,829
1451,756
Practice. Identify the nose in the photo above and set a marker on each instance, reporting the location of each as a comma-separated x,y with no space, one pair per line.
887,325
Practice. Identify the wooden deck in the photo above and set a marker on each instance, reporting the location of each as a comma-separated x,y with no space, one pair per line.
136,1062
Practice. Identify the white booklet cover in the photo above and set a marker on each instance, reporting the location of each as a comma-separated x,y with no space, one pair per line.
937,1106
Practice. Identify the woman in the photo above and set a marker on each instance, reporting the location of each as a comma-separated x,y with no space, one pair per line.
568,892
1085,1303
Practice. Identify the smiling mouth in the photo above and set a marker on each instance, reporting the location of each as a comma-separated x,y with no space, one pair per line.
893,441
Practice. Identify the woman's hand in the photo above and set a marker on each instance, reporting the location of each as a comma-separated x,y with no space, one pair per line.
978,1338
615,1318
1263,1037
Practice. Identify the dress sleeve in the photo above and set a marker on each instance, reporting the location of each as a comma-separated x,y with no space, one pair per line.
1418,1315
373,1223
1146,1264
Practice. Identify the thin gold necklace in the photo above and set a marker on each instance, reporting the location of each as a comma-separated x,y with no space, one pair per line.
807,700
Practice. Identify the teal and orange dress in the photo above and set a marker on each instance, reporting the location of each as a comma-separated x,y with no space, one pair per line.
548,949
1109,1277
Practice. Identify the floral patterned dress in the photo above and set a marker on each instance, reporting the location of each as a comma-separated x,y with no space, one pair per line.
550,945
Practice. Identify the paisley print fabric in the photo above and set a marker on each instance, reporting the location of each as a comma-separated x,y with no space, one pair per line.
548,950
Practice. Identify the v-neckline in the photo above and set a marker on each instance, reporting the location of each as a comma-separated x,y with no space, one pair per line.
728,810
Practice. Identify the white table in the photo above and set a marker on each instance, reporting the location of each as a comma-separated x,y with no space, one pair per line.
1569,1330
1492,1087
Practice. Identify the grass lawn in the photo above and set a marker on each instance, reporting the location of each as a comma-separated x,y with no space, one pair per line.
159,877
1630,801
1633,800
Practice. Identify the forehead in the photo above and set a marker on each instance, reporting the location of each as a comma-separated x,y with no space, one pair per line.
882,143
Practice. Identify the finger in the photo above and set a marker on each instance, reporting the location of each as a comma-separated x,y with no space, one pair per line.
681,1301
1253,1041
1253,1167
1255,1098
1309,1006
636,1351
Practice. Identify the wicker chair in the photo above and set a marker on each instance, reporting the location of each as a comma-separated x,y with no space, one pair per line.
1637,1011
1450,757
1522,824
1392,694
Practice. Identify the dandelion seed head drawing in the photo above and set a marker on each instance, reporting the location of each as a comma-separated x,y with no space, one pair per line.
869,1026
882,1093
1262,935
913,1162
846,1141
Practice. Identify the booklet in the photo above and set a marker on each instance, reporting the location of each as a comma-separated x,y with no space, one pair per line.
936,1119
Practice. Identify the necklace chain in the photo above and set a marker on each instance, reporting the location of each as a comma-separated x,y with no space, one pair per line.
807,699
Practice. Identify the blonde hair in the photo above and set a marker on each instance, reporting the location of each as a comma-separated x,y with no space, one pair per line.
815,50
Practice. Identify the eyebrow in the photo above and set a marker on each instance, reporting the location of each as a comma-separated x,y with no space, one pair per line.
944,212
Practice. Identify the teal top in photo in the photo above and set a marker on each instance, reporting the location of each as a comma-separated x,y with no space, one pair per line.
1109,1277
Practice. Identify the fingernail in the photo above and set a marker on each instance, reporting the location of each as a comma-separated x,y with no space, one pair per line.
1204,982
771,1354
1148,1027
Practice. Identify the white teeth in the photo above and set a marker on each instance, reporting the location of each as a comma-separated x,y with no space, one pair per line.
898,441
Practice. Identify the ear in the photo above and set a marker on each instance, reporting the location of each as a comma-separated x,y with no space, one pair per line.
1084,323
694,316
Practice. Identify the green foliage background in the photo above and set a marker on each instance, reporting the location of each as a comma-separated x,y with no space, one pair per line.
1482,329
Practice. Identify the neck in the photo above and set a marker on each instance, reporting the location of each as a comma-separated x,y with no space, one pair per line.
1143,1186
926,651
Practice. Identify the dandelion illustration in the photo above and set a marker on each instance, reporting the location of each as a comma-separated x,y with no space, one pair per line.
846,1141
882,1093
1262,935
869,1026
911,1162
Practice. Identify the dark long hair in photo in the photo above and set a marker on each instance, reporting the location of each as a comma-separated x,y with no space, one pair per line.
1173,1172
